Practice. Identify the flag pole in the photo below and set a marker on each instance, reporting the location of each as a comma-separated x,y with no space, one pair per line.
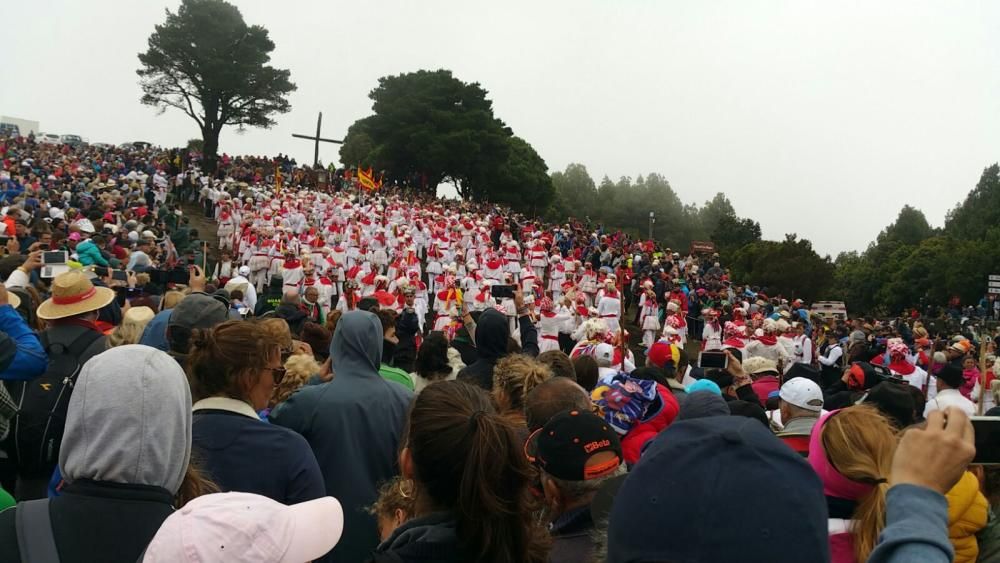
983,339
621,318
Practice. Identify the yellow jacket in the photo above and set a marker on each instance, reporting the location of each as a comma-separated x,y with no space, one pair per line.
967,514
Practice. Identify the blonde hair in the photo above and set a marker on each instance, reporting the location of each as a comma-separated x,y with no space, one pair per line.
860,443
298,369
514,376
277,331
395,494
170,299
130,331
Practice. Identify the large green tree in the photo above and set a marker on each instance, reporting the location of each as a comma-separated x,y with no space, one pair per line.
575,194
431,125
732,233
790,267
714,211
981,209
523,181
911,228
207,62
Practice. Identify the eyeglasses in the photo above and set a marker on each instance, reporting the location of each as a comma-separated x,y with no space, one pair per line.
277,373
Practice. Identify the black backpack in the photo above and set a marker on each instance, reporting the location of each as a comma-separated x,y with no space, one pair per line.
42,402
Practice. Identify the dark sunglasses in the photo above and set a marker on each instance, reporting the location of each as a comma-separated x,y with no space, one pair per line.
278,374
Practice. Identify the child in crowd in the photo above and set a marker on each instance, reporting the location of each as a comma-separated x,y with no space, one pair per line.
394,506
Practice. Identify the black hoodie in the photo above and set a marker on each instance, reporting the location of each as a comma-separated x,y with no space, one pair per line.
492,333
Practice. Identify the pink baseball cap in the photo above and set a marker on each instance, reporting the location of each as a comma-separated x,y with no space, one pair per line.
250,528
74,236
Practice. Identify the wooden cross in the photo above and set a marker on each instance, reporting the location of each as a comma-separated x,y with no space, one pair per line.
317,139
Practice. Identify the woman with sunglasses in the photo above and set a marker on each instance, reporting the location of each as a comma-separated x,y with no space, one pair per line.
233,369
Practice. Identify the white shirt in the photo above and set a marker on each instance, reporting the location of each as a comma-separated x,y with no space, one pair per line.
833,355
950,398
249,293
917,378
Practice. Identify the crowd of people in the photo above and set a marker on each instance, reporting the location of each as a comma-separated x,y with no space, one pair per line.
374,376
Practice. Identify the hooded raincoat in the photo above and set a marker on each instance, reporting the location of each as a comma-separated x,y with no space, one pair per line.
492,334
353,424
123,457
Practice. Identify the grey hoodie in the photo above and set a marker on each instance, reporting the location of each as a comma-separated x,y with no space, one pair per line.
129,420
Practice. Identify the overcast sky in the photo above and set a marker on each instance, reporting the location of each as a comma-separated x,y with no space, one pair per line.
820,118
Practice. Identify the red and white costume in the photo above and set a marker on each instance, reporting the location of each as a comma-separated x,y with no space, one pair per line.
609,308
549,324
649,318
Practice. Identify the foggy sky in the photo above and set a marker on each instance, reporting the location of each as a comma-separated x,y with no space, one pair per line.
820,118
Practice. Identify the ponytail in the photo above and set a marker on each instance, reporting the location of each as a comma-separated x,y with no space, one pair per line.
469,460
869,518
860,442
195,484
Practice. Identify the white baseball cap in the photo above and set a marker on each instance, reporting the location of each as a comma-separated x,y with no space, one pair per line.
249,528
244,271
803,393
605,352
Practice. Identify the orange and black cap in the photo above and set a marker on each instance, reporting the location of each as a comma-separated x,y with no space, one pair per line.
575,446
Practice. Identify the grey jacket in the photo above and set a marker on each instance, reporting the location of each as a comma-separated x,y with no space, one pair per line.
353,425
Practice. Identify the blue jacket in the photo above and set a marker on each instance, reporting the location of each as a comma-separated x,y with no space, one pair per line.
155,333
916,527
89,254
30,359
251,456
13,189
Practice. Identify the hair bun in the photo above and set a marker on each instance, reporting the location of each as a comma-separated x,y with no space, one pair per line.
202,338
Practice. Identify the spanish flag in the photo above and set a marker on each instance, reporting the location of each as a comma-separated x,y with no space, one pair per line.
278,178
367,179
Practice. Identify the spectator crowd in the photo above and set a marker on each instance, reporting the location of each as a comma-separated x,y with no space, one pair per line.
342,375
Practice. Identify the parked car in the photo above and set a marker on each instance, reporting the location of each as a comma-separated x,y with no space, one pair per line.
47,139
103,146
135,145
71,140
9,130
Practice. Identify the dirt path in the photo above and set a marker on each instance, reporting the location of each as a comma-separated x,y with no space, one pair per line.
207,229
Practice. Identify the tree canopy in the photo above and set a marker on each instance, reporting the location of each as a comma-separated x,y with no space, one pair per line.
980,210
431,125
626,205
790,267
207,62
908,264
911,264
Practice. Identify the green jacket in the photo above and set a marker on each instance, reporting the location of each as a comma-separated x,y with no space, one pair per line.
6,501
395,374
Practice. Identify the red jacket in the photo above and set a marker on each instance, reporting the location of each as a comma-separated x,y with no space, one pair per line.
643,432
765,386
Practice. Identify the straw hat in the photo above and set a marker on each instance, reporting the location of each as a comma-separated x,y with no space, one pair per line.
139,315
13,300
73,294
